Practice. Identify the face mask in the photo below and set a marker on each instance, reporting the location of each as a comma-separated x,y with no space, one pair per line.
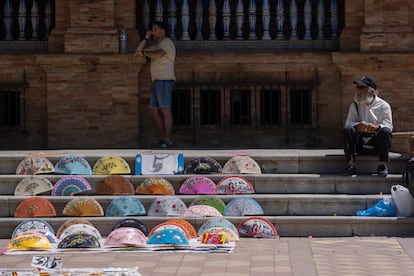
363,99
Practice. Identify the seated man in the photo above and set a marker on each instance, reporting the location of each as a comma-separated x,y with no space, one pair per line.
368,126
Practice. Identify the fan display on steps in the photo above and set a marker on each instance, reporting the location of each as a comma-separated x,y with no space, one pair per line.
73,164
79,241
201,211
111,165
234,185
198,185
257,227
125,206
35,165
210,200
187,226
83,207
81,229
167,206
155,186
69,223
33,185
216,222
115,185
243,206
241,164
35,207
70,185
126,237
131,222
32,224
204,165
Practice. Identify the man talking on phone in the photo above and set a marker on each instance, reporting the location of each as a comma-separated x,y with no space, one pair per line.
162,53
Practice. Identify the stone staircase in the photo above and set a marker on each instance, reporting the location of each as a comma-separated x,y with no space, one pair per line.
300,191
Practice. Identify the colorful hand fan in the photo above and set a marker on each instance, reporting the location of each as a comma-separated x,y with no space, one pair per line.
229,234
81,229
168,236
243,206
125,206
169,225
79,241
70,185
73,164
111,165
201,211
216,222
234,185
29,241
155,186
130,222
241,164
33,185
167,206
83,207
257,227
115,185
69,223
126,237
32,224
35,165
49,235
187,226
33,207
197,185
212,201
203,165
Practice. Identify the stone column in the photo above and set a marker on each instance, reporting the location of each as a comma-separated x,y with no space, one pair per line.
354,20
56,39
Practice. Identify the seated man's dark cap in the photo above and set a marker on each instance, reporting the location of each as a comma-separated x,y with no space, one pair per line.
160,24
366,81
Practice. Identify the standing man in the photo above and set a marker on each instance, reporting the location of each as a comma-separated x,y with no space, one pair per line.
368,126
162,55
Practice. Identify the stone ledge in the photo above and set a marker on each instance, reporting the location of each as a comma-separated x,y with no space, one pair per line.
403,142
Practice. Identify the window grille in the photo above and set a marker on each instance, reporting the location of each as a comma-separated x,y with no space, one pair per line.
270,107
210,102
181,107
240,107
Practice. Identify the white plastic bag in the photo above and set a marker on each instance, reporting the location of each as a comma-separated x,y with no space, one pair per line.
403,200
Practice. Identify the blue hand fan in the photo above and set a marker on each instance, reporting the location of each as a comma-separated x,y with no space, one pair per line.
70,185
125,206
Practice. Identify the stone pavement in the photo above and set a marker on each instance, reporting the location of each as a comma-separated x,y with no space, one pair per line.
285,256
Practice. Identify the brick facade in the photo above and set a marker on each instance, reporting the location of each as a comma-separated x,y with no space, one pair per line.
82,94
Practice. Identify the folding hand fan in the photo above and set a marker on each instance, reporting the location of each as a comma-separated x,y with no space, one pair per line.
35,165
70,185
115,185
155,186
33,185
125,206
203,165
130,222
49,235
35,207
257,227
126,237
167,206
209,200
32,224
81,229
196,185
73,164
79,241
241,164
201,211
111,165
83,207
69,223
243,206
234,185
168,236
29,241
216,222
187,225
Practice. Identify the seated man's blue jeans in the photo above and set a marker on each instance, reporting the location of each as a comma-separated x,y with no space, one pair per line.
383,140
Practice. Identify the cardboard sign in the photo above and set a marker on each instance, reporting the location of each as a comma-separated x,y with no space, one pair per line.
159,164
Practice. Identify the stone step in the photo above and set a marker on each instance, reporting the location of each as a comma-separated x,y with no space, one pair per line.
289,161
287,226
263,184
272,205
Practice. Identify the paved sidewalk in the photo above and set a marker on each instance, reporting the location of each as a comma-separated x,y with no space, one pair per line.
287,256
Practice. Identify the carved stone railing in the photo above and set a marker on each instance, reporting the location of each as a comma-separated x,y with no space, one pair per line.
26,24
247,23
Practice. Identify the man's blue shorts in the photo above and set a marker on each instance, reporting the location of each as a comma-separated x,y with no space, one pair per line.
161,93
